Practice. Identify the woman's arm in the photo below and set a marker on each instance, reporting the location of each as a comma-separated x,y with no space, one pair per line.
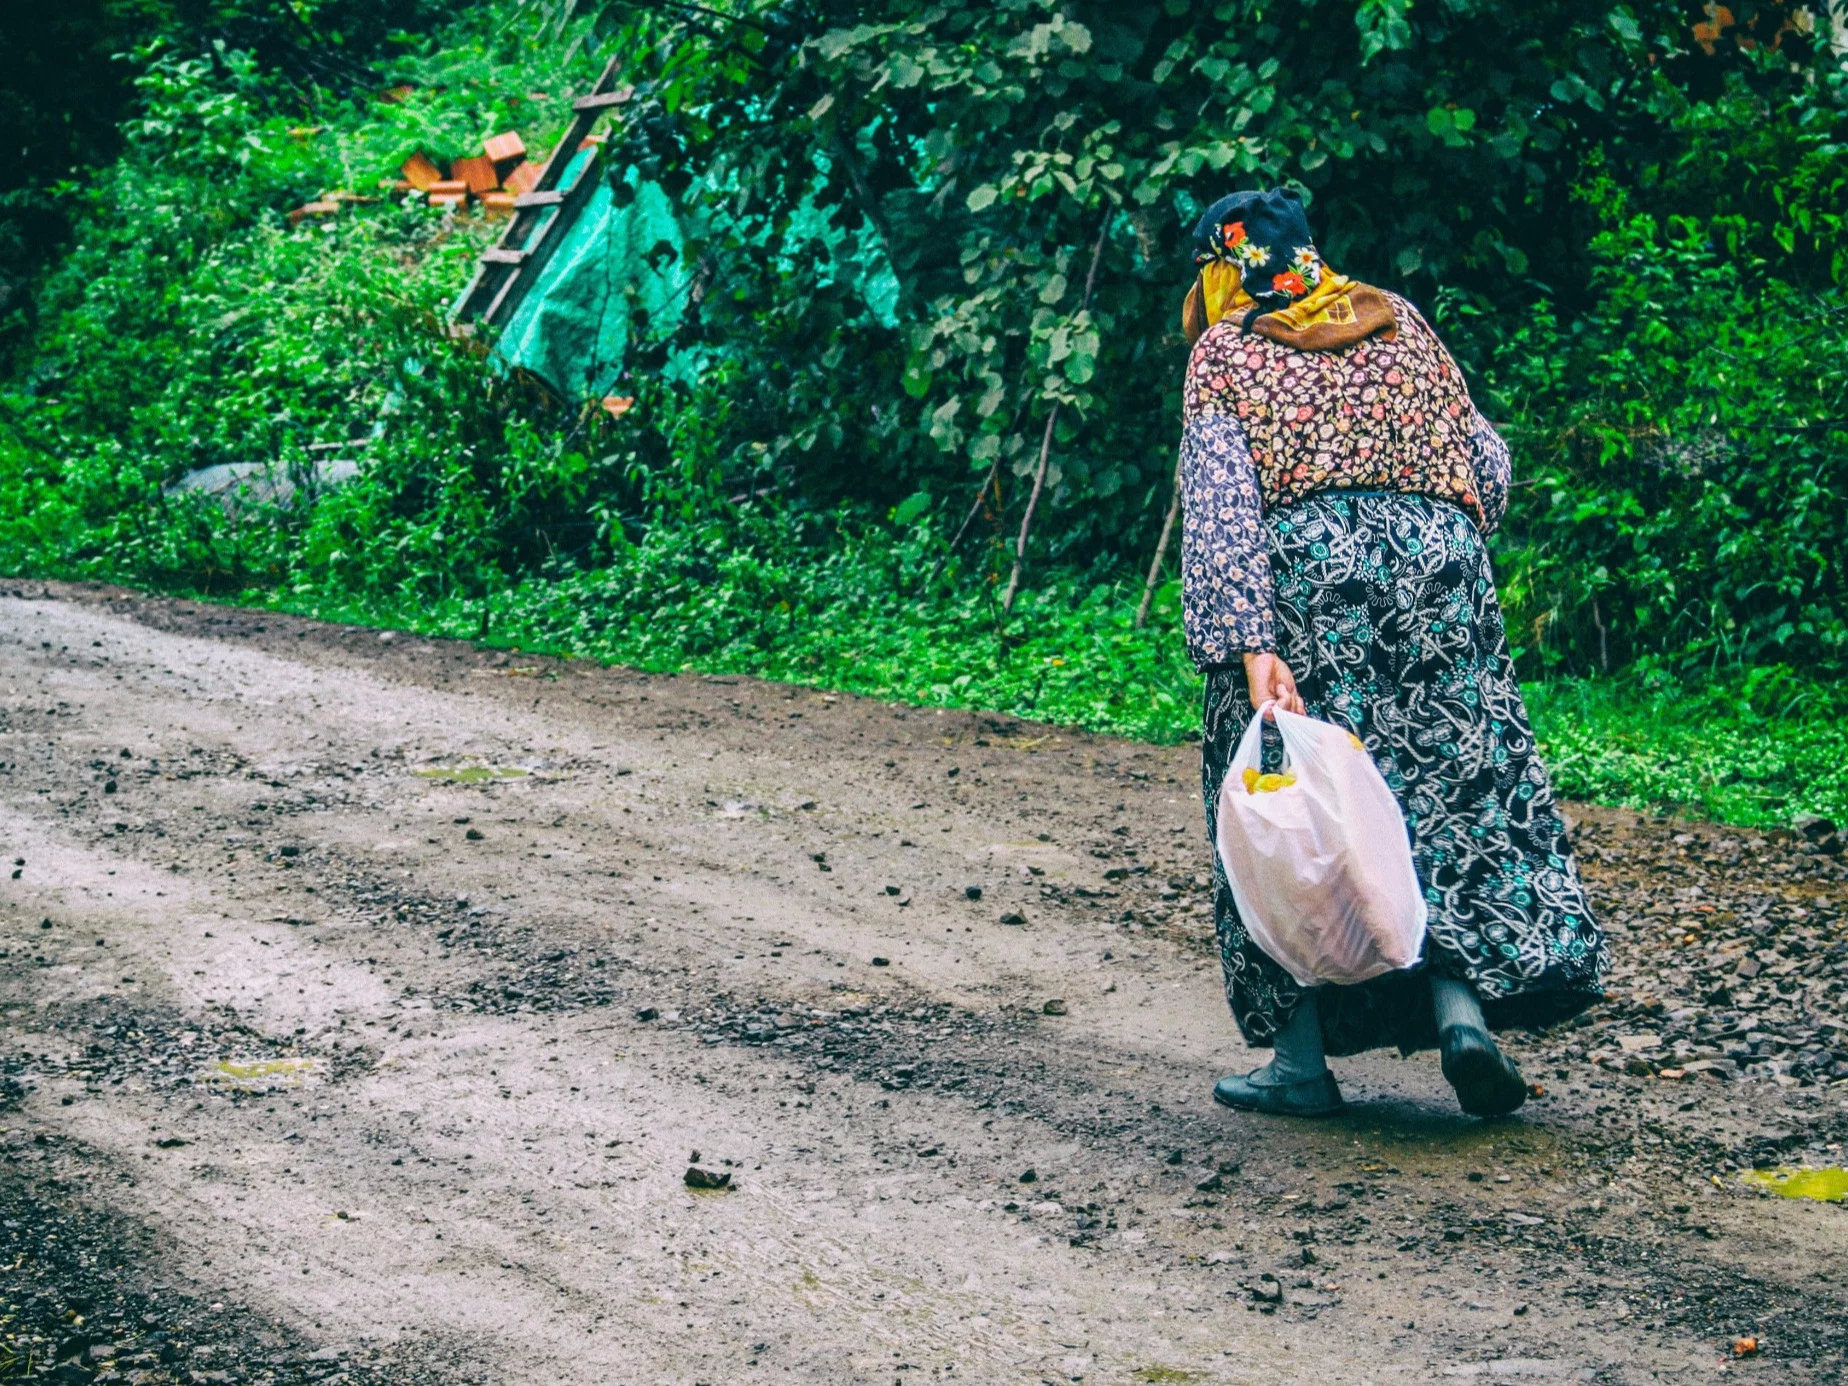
1494,469
1225,559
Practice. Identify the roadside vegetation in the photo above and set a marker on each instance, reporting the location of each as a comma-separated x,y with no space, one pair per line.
1629,230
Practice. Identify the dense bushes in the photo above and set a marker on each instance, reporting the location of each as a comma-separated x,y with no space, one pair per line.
1685,487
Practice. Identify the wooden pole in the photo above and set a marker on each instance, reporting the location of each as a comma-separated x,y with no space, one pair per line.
1161,550
1026,520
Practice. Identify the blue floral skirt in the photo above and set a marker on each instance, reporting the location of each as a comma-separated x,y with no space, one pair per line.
1386,614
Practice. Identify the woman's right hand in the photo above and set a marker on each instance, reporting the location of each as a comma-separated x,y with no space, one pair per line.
1271,681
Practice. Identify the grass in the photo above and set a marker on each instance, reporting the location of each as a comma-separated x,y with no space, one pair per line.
1757,748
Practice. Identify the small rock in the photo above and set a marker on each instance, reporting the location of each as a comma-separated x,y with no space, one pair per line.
474,835
1266,1289
973,892
1054,1007
882,962
697,1178
1813,826
1029,1176
648,1013
1012,918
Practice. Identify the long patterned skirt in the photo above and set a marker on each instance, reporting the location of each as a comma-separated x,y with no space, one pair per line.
1386,614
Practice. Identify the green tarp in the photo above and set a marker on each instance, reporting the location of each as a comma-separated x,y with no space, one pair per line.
620,265
572,327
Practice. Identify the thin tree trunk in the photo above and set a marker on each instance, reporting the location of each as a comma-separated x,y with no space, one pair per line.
1161,550
1026,520
1052,419
975,507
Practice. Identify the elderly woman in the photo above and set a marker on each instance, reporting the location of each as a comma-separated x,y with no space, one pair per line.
1338,484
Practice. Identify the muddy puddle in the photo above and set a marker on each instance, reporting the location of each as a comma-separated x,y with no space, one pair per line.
472,774
260,1074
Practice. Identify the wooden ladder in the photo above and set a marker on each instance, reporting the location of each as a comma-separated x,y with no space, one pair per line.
509,269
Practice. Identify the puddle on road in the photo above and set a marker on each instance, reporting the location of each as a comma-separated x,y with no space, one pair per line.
472,774
260,1073
1824,1185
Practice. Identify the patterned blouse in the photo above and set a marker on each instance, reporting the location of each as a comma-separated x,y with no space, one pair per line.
1266,425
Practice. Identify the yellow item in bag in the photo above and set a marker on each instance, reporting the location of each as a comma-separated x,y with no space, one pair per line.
1323,876
1266,783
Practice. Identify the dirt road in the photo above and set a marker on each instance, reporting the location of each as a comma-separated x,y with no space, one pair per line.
367,999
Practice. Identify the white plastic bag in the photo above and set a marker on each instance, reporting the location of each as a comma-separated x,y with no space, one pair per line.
1321,868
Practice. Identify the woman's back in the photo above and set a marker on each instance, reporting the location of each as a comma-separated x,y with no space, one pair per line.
1389,413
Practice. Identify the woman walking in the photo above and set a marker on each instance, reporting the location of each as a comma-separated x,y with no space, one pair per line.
1338,485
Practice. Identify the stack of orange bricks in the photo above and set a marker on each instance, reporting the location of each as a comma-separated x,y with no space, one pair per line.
494,177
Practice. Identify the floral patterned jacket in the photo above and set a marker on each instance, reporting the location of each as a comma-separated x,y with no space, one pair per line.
1266,425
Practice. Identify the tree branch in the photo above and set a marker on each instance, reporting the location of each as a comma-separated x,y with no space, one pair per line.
1161,550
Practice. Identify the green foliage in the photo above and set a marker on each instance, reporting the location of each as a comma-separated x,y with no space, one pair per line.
192,326
1756,749
1685,489
67,87
1000,151
832,601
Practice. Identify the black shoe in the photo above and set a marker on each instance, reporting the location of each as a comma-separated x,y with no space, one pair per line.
1487,1082
1248,1092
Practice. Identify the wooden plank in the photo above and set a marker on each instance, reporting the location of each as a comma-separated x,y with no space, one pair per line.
500,255
544,246
499,285
539,199
602,100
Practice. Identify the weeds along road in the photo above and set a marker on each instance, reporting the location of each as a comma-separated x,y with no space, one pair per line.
366,1000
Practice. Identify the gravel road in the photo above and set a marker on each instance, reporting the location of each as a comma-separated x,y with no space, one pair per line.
367,1000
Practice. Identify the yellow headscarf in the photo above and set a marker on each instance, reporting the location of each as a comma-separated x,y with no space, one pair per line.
1337,312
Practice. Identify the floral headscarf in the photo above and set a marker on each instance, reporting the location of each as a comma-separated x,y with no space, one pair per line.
1255,255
